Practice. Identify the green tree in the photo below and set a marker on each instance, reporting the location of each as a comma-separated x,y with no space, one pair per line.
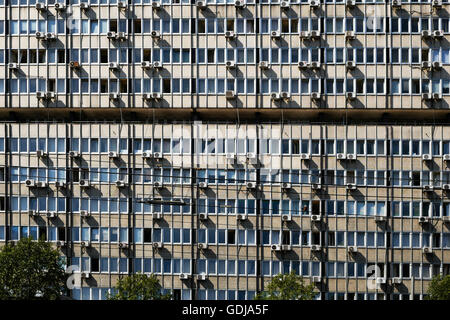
31,270
439,288
138,287
287,287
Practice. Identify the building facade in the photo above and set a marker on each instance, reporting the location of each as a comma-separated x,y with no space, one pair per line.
217,144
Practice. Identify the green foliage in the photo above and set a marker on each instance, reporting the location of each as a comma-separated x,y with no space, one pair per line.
138,287
31,270
439,288
287,287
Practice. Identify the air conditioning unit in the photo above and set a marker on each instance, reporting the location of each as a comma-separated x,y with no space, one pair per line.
446,157
85,214
123,245
60,6
50,36
351,186
157,65
396,280
156,215
350,65
158,185
121,184
286,247
203,185
315,96
74,154
352,249
316,186
341,156
438,33
251,156
85,275
305,35
84,183
201,5
286,186
350,35
314,3
184,276
155,34
74,64
122,5
157,155
113,155
436,3
201,277
396,3
351,156
275,96
427,157
446,219
263,64
33,213
316,247
157,245
230,35
251,185
121,36
303,64
286,217
380,218
52,214
203,216
239,4
60,243
41,154
276,247
30,183
154,96
428,188
425,65
146,64
41,184
41,95
202,246
381,280
113,65
231,157
60,184
305,156
111,35
12,66
316,279
426,33
424,220
315,218
113,96
427,250
39,35
241,216
275,34
147,154
84,6
427,96
437,96
85,244
315,34
230,64
436,65
284,4
156,5
40,6
350,3
315,65
230,94
350,95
